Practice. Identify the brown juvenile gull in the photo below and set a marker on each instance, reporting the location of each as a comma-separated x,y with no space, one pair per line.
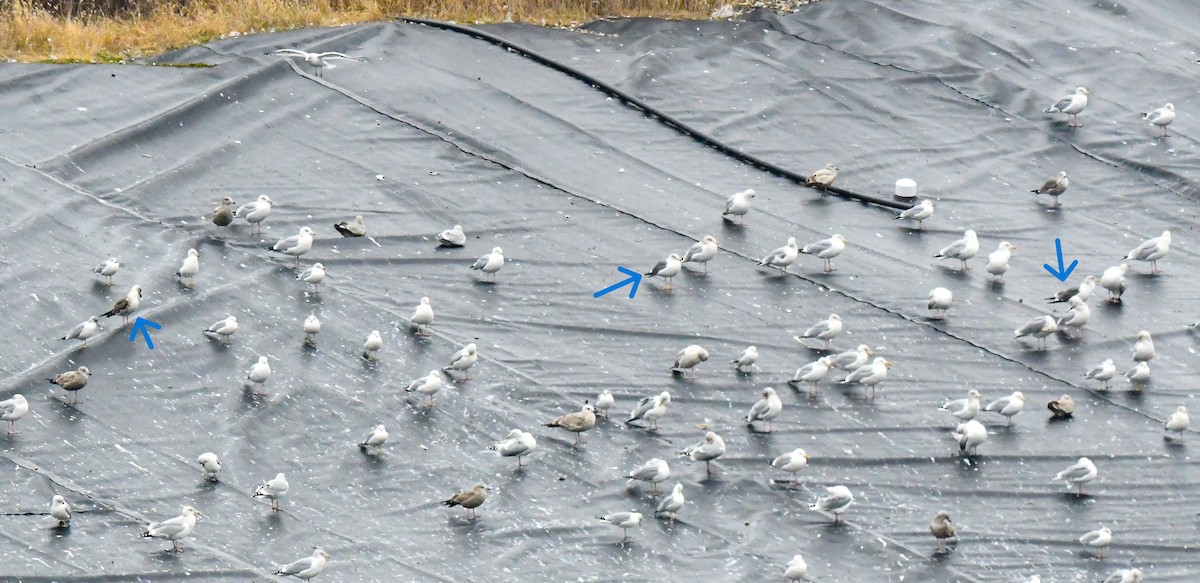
126,305
469,499
355,228
577,422
222,216
1054,187
174,529
823,178
72,381
942,529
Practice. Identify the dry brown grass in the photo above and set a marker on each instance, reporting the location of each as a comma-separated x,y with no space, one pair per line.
121,29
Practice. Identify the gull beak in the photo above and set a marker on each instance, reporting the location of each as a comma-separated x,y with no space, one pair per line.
807,457
888,363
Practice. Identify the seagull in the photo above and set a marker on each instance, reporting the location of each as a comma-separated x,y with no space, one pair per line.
223,329
1076,317
311,327
222,216
813,372
1071,105
375,439
827,249
653,471
941,528
12,410
72,381
1103,373
962,250
1151,250
853,359
84,330
313,276
1177,423
1139,374
688,358
372,345
796,569
604,402
650,409
469,499
273,490
1062,407
919,212
1143,349
189,267
823,178
126,305
835,504
738,204
306,568
791,462
1125,576
318,61
707,450
61,511
1077,475
997,264
427,385
667,268
256,212
826,330
578,422
109,268
623,521
490,263
1113,280
212,466
452,237
970,436
518,444
296,245
671,503
355,228
1008,406
870,375
1054,187
963,409
1161,117
1083,290
174,529
259,373
1097,539
422,317
1039,328
463,360
783,256
940,300
766,409
702,252
746,359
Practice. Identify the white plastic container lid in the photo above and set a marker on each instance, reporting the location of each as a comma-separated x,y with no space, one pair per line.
906,188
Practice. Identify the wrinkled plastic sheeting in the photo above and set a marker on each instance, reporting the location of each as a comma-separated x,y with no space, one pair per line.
439,128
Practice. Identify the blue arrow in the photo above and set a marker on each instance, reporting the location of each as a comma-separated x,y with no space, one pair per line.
634,277
1062,273
140,325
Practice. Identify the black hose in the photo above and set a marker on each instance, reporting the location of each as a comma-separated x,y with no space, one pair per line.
651,111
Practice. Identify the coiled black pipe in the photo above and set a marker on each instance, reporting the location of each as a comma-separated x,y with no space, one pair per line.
651,111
